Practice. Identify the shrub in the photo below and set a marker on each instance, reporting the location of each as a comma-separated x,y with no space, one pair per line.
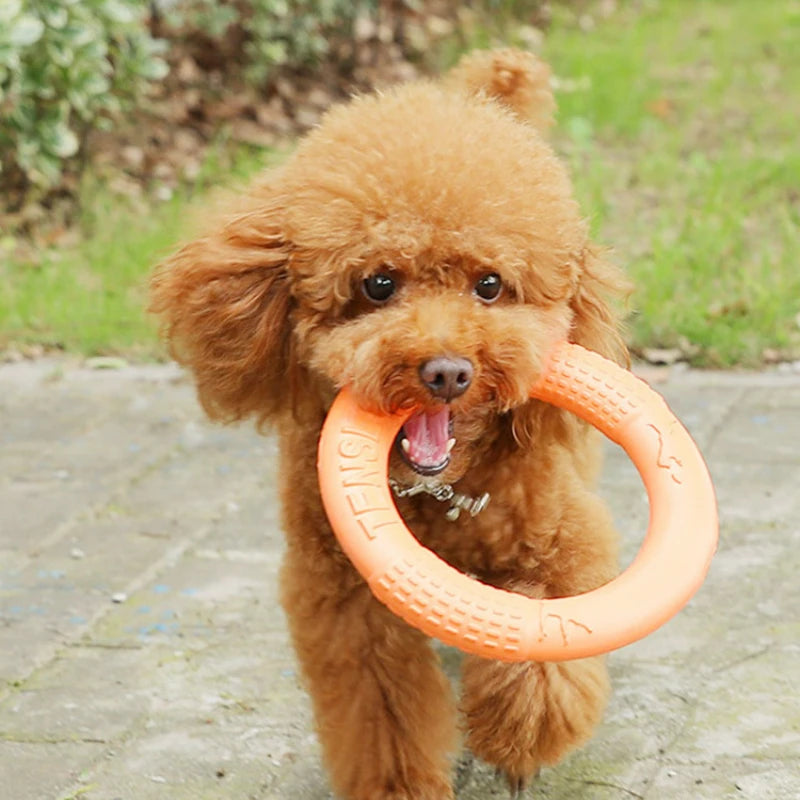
258,39
268,34
66,66
278,37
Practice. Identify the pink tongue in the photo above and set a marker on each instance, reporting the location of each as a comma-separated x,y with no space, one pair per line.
427,434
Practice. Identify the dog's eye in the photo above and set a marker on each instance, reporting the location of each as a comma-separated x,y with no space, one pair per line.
488,287
379,287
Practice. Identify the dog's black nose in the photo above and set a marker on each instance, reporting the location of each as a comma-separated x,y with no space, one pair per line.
446,377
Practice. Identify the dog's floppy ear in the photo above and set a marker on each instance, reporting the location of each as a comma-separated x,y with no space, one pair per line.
518,80
596,324
224,302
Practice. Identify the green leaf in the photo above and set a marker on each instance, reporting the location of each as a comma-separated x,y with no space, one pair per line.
9,58
96,84
118,11
84,36
62,56
64,142
25,31
9,9
154,69
57,18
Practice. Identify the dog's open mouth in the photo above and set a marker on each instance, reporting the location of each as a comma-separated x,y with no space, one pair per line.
425,441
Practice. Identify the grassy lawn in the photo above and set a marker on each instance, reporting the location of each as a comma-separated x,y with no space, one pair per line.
90,298
681,124
679,119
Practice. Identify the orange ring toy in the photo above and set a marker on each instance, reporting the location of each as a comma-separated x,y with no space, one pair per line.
444,603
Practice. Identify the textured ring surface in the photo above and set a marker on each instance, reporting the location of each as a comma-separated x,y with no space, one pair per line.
439,600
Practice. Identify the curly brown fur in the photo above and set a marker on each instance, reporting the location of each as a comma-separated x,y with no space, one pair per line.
434,186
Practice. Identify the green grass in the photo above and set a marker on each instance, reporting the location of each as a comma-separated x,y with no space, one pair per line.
679,120
90,298
680,123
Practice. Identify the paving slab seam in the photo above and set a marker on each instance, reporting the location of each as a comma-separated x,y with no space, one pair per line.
149,575
750,759
103,645
722,421
114,495
688,722
83,782
700,378
95,422
661,760
172,555
52,653
6,737
762,651
703,711
607,785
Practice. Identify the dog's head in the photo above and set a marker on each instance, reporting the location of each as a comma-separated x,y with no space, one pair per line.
421,246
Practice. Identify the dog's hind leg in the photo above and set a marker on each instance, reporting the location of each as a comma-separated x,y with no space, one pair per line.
384,709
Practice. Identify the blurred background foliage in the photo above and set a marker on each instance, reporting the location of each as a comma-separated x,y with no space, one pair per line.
66,67
119,120
69,68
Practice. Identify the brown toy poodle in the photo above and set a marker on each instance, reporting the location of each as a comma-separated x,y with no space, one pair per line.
423,246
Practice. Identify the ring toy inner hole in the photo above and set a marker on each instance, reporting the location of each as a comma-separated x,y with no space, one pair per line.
442,602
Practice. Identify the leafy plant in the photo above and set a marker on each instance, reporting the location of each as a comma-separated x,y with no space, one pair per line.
298,32
66,66
276,33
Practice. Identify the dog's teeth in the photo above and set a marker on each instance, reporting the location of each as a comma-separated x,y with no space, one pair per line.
406,445
451,443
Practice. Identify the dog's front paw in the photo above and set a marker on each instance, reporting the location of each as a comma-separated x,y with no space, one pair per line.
412,789
517,784
523,716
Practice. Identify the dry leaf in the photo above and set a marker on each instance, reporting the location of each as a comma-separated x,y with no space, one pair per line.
133,156
737,308
249,132
665,356
662,107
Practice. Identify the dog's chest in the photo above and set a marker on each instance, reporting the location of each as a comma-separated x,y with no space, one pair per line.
494,540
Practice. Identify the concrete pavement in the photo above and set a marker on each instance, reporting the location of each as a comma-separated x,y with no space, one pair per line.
143,654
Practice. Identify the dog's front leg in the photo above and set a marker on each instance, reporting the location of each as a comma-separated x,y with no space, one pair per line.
384,710
523,716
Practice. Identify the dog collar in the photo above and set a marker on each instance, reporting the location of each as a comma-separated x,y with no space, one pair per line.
444,493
